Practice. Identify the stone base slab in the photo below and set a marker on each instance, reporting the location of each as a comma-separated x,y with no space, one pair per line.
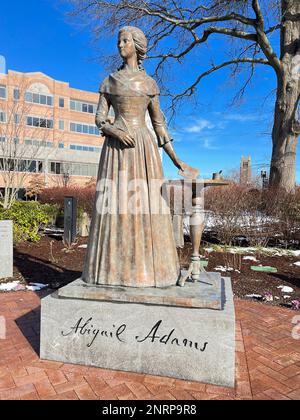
185,343
206,293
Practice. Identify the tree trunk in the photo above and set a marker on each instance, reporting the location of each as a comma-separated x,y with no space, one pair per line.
286,126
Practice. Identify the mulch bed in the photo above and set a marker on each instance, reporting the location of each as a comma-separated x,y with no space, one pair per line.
49,262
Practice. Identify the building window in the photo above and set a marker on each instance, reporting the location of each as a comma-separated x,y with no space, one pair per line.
16,94
39,122
38,143
37,98
17,118
2,139
79,106
28,165
2,91
83,169
56,168
40,166
75,169
2,117
61,146
85,148
85,129
61,124
61,102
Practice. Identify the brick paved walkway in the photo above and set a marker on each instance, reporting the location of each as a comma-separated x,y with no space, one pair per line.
267,361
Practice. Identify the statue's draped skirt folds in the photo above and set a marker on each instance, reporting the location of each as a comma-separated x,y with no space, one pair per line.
131,240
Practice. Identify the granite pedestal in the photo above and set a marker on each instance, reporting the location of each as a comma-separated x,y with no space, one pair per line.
164,339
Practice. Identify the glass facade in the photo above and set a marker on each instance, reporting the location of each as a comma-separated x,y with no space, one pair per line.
84,129
79,106
39,122
85,148
56,168
38,143
2,91
2,117
61,102
16,94
37,98
77,169
21,165
17,118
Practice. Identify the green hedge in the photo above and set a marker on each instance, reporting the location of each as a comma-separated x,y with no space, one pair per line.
28,218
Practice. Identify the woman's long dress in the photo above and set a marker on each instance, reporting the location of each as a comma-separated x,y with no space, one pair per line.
131,241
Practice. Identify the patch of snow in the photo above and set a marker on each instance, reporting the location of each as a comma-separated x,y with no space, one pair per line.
249,258
286,297
273,252
20,287
209,250
34,287
82,246
254,296
41,285
7,287
221,268
285,289
225,269
17,286
297,263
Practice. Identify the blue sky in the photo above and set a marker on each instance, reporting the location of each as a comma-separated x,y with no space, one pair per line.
211,135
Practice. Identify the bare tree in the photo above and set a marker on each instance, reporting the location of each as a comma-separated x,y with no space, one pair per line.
252,24
22,148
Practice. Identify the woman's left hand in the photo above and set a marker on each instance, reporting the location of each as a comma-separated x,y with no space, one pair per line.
180,165
187,170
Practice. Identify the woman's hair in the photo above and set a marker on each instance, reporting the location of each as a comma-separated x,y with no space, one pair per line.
140,42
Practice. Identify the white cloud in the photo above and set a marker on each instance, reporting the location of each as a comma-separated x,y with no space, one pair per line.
208,143
241,117
199,126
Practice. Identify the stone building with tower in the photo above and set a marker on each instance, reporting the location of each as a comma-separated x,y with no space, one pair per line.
245,171
54,127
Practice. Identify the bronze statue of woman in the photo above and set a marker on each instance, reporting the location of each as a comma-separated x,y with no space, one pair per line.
127,248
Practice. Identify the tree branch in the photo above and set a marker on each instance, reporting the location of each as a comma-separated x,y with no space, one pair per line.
258,13
212,30
263,40
231,32
273,28
193,23
190,90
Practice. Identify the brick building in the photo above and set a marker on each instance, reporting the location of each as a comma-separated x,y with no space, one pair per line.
54,127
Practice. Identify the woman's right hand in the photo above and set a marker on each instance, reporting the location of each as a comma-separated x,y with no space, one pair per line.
120,135
125,138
